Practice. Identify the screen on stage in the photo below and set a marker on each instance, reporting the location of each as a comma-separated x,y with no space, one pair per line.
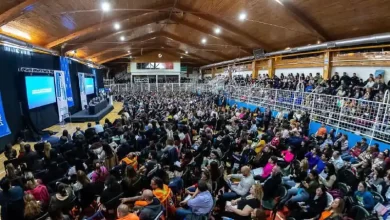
89,85
40,91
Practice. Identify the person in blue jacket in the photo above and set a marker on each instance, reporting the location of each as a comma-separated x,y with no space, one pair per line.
364,197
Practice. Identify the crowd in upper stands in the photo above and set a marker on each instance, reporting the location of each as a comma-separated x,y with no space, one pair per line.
372,88
191,156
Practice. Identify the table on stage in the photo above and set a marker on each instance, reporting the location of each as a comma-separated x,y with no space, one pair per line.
93,109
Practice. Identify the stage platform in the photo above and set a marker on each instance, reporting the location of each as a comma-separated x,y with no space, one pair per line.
83,116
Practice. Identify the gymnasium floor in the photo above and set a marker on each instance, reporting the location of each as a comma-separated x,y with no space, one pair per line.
71,127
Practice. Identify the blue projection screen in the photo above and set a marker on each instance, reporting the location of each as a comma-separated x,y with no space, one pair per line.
89,85
40,91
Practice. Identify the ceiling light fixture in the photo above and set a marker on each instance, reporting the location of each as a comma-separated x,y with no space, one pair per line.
278,1
186,52
217,30
128,51
131,57
106,6
181,57
16,32
318,42
117,26
242,16
204,40
122,38
159,55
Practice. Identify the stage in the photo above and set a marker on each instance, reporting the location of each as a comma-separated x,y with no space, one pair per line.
84,116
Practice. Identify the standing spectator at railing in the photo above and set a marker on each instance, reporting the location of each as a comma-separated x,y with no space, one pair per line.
318,78
345,78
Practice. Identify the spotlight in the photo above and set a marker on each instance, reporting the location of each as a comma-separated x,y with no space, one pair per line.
242,16
117,26
159,55
106,6
217,30
204,40
186,52
122,38
318,42
181,57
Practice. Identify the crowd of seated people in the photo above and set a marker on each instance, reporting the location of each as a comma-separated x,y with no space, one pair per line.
351,86
181,156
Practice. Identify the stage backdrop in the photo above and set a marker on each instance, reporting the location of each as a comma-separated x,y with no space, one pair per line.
62,102
12,82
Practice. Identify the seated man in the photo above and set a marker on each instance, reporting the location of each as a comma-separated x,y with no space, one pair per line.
152,208
240,189
200,204
124,214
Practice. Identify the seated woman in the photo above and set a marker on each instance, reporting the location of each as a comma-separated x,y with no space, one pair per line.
287,157
32,207
314,207
192,190
63,198
330,177
364,197
130,179
298,174
13,175
335,212
304,191
38,190
241,208
266,171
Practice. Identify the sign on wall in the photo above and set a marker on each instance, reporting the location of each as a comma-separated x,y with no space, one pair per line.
4,129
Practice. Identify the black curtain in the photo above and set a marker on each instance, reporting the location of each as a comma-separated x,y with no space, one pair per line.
13,91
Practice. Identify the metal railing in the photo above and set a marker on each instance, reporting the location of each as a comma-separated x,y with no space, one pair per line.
362,117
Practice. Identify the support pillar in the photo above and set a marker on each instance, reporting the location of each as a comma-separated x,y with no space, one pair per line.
327,65
255,70
271,67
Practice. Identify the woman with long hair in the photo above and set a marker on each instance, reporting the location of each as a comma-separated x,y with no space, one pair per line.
130,178
32,207
330,178
335,211
298,174
39,191
241,208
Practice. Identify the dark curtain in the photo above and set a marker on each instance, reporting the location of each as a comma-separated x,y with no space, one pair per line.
12,87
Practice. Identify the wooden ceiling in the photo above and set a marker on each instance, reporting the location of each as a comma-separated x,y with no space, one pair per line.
175,27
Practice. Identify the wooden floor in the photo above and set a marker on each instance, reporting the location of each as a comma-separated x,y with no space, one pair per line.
71,127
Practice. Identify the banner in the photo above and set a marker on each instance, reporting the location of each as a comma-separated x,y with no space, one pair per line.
64,63
83,96
4,129
62,101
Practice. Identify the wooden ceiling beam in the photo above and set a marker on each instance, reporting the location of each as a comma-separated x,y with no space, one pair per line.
225,25
303,20
99,26
142,38
105,35
202,61
16,11
113,58
209,32
183,41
